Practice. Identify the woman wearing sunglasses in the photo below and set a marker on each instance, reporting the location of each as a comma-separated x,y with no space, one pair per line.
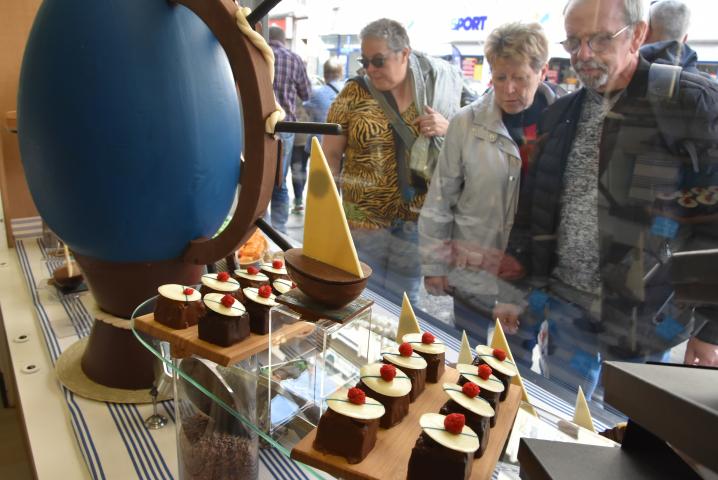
394,118
474,193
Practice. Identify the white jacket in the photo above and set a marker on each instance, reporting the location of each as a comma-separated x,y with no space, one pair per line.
473,195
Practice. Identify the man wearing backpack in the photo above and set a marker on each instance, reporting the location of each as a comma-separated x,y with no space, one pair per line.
622,181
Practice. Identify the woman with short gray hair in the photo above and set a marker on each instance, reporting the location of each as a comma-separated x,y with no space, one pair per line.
394,119
391,31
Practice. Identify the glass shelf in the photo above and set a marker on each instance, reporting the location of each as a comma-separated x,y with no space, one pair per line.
271,399
216,411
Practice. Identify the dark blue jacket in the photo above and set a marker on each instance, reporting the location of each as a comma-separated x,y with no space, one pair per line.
672,52
642,152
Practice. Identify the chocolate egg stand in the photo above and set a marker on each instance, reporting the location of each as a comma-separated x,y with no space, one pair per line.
131,175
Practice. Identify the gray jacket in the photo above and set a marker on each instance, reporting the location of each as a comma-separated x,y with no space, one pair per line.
473,196
439,85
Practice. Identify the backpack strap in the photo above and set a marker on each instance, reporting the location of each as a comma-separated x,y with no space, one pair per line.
664,86
663,82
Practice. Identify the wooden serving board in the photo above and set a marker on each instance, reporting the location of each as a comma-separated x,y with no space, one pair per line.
389,460
186,342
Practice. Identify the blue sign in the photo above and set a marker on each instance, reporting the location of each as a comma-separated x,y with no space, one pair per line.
669,329
469,23
664,227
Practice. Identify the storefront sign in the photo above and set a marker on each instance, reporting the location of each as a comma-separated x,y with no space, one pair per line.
469,23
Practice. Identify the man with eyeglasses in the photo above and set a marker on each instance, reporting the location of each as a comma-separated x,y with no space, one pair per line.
609,200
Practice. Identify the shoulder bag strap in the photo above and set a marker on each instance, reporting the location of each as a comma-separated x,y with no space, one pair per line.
400,127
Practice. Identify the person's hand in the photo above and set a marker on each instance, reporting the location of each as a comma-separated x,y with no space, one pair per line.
472,256
431,123
510,268
508,315
699,352
438,285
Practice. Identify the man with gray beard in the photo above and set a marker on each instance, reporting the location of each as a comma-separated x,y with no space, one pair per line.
623,179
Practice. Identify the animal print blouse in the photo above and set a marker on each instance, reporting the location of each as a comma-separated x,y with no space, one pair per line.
370,188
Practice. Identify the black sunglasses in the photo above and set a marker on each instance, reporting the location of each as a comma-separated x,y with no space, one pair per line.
377,60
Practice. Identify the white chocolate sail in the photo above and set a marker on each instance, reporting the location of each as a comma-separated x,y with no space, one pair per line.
582,415
326,232
465,355
407,320
499,341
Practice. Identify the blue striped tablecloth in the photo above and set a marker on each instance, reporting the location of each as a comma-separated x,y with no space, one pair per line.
112,437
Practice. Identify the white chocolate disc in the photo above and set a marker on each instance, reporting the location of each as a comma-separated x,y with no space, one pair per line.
433,425
707,198
259,277
506,367
371,376
432,348
687,202
210,280
415,362
176,292
267,267
214,303
477,405
471,373
669,195
282,285
339,402
252,294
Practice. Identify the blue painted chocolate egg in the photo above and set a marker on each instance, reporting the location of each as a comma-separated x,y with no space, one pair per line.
129,125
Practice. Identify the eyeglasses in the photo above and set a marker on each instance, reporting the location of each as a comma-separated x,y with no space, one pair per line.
377,60
599,42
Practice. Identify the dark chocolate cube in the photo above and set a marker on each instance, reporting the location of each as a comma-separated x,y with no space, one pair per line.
346,437
178,314
417,377
435,366
506,380
480,425
258,317
396,408
492,397
223,330
431,461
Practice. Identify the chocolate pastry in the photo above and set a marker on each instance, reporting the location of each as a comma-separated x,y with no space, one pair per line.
178,306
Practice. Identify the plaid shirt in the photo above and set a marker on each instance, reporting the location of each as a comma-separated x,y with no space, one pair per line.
290,79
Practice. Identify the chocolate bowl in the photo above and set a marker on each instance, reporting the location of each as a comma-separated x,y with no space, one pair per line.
324,283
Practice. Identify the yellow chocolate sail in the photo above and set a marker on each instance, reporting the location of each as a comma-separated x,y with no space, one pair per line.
326,232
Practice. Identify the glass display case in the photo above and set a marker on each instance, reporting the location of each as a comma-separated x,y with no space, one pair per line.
297,373
273,398
270,398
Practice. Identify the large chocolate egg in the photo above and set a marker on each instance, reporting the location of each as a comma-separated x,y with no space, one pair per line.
129,125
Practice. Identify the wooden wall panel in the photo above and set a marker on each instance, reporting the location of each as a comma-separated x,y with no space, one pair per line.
16,18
